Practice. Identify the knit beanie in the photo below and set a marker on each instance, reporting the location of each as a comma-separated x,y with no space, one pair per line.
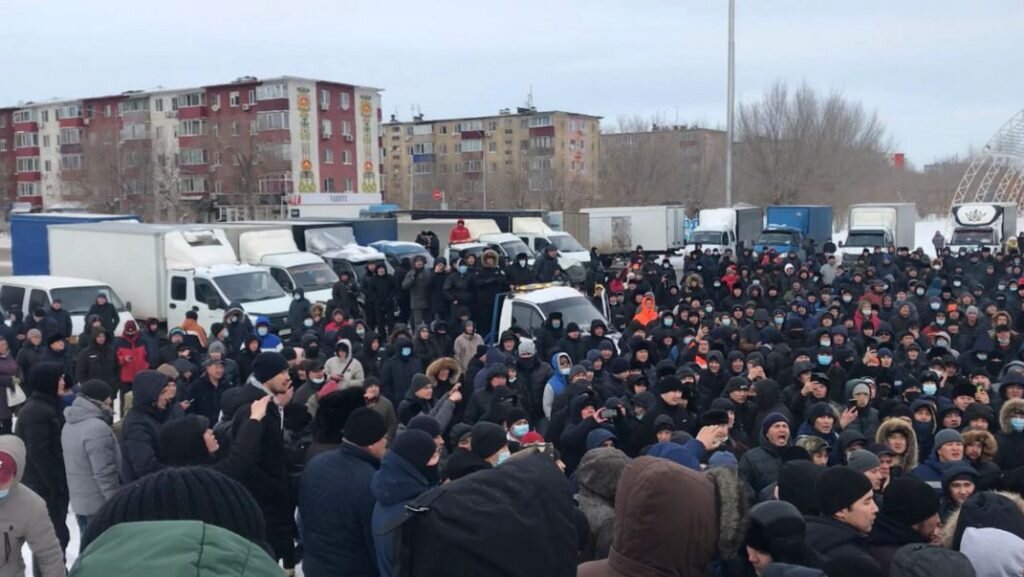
416,447
217,347
909,500
947,436
863,461
487,439
182,443
669,383
459,432
178,494
365,427
619,365
268,365
96,390
419,381
772,419
839,488
777,528
797,480
425,423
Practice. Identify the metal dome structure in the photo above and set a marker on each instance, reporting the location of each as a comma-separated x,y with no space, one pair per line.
997,174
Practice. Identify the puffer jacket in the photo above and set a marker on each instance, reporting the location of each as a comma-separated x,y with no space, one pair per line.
397,483
140,428
24,519
92,457
133,348
759,467
1011,443
97,362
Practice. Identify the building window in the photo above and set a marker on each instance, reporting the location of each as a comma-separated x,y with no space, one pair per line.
192,128
24,116
423,168
234,128
190,100
348,185
216,158
325,99
106,111
328,184
3,122
346,157
218,186
26,139
215,100
133,105
192,184
345,100
328,156
252,97
69,111
541,142
544,120
325,128
47,167
492,146
3,144
28,189
158,104
492,125
423,129
422,148
27,164
469,126
346,128
472,146
444,129
275,120
70,136
70,162
215,130
46,141
44,116
192,157
233,99
271,91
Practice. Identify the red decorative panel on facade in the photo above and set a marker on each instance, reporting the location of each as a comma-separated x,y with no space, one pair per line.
542,131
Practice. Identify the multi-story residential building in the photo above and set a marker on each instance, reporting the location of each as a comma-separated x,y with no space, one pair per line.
251,137
663,164
515,159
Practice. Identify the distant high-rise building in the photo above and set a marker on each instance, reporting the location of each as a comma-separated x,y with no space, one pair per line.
264,138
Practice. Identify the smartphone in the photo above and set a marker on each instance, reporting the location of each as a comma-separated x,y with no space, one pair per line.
851,404
608,414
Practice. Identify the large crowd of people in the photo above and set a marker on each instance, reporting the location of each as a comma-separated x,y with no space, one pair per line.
753,414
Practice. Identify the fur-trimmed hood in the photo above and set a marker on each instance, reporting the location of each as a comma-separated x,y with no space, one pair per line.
889,426
454,372
489,258
949,527
1004,414
989,447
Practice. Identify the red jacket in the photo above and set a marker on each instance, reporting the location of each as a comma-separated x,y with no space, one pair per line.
131,347
459,234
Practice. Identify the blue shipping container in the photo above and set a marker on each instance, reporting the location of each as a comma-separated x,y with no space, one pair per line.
30,248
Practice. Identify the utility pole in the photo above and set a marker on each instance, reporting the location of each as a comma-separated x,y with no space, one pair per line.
731,89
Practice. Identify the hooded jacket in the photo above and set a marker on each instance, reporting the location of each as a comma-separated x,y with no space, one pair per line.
140,429
652,540
1011,444
598,477
648,311
397,483
269,341
350,369
97,361
39,423
397,372
908,461
24,519
555,385
92,456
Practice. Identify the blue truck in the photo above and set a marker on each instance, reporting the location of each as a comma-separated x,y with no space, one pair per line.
788,226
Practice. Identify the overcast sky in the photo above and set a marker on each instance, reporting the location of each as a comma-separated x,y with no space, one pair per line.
943,75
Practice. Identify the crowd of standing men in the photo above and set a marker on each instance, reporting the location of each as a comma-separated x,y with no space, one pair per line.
749,415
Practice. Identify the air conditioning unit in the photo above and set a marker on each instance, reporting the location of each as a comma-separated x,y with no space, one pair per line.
350,138
215,107
245,108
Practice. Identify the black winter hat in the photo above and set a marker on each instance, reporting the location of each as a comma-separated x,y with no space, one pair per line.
459,432
184,493
365,427
669,383
796,484
426,423
714,417
991,510
415,447
487,439
420,381
96,390
268,365
54,338
909,500
182,443
44,378
778,528
839,488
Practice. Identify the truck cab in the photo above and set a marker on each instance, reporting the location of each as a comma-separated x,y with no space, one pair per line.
211,290
859,239
783,240
26,294
527,307
714,239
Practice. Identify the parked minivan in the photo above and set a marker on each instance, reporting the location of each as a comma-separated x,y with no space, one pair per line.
28,293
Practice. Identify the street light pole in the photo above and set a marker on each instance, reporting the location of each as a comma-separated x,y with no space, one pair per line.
731,97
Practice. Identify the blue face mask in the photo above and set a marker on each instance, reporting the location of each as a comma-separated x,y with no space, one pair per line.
520,430
824,360
1017,423
463,268
556,324
667,322
307,322
929,388
262,331
726,322
709,310
503,456
934,306
406,351
780,320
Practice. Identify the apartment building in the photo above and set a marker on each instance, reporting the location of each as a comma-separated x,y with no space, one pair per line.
270,137
515,159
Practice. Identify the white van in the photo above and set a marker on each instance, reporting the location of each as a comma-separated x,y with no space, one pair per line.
28,293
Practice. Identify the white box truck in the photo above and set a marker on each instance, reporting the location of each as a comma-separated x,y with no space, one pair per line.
880,225
620,229
163,271
273,247
728,228
979,224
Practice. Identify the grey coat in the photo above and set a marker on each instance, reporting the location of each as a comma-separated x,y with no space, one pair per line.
418,286
92,457
24,519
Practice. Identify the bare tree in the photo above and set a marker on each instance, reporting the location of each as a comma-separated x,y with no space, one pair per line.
798,146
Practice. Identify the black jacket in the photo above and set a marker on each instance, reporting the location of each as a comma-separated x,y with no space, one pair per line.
833,539
97,362
205,398
268,480
544,268
458,289
397,372
107,315
140,429
887,536
39,424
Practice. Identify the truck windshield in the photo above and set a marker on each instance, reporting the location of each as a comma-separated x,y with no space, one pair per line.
865,239
313,276
776,237
577,310
77,300
708,237
566,243
972,236
249,287
512,249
